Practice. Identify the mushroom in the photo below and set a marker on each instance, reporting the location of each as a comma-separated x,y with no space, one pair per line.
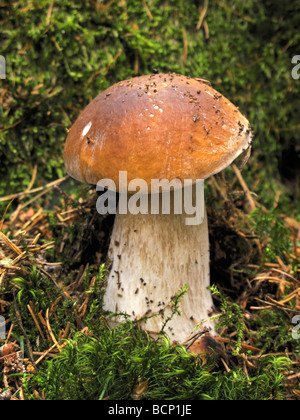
162,127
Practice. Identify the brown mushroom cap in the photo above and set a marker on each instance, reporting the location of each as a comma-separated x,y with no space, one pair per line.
159,126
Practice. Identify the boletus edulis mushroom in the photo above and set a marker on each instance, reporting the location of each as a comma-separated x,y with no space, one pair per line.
168,128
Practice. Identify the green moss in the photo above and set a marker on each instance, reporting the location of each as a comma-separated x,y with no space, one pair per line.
112,365
61,55
272,231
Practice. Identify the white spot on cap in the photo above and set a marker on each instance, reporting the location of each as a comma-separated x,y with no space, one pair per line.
86,129
151,115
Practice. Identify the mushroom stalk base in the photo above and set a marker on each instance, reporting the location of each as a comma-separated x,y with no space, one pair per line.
153,257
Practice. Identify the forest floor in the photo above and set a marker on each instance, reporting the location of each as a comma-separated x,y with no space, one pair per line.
59,345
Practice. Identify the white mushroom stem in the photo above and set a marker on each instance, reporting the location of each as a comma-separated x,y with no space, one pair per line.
153,257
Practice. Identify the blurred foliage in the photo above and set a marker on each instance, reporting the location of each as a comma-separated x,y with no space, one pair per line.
60,55
271,230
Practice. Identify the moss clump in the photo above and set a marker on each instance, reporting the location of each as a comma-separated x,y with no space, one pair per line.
61,55
112,365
